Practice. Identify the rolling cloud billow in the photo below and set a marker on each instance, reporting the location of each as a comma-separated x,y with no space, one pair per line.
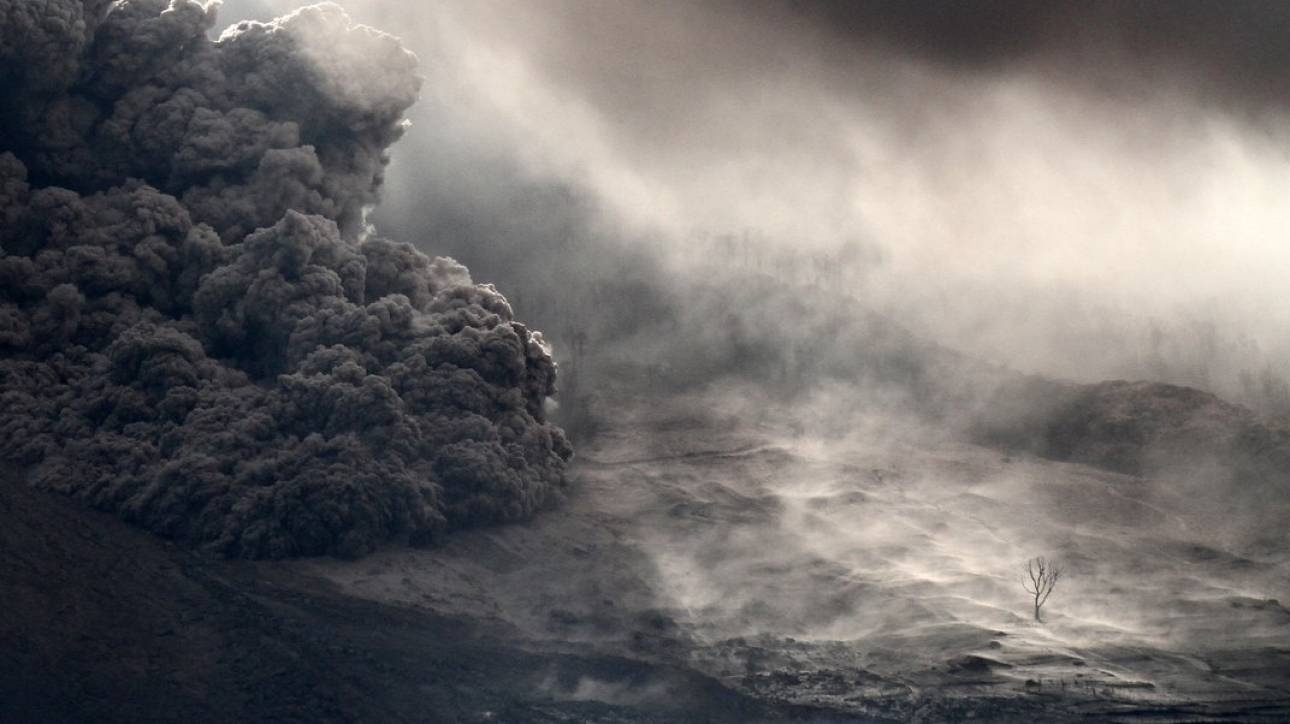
197,330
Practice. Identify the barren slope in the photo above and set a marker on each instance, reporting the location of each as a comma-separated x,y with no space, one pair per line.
870,570
722,556
104,623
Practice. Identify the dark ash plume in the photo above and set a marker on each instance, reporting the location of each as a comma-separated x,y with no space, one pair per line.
194,329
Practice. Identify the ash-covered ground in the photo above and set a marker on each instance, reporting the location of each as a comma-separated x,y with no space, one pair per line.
871,572
721,556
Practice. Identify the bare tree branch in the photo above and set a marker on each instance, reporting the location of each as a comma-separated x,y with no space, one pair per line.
1039,577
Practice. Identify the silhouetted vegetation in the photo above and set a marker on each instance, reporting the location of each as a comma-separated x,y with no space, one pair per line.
1039,578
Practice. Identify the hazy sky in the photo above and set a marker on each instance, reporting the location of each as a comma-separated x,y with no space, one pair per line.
1029,171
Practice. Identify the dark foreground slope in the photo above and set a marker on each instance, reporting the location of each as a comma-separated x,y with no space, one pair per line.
104,623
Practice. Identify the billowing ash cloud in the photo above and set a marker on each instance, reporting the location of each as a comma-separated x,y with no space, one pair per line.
196,331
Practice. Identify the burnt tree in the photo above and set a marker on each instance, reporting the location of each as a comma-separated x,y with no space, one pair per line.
1039,577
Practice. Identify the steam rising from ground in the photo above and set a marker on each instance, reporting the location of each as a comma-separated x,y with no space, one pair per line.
198,330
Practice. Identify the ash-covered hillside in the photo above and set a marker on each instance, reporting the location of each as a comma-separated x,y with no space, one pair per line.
197,328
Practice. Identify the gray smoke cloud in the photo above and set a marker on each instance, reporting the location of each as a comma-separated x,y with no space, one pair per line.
1082,190
198,329
1085,191
799,190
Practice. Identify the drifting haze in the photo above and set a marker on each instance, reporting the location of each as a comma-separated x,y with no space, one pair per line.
1087,190
201,331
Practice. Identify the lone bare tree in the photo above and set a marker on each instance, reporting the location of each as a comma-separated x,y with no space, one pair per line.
1039,577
